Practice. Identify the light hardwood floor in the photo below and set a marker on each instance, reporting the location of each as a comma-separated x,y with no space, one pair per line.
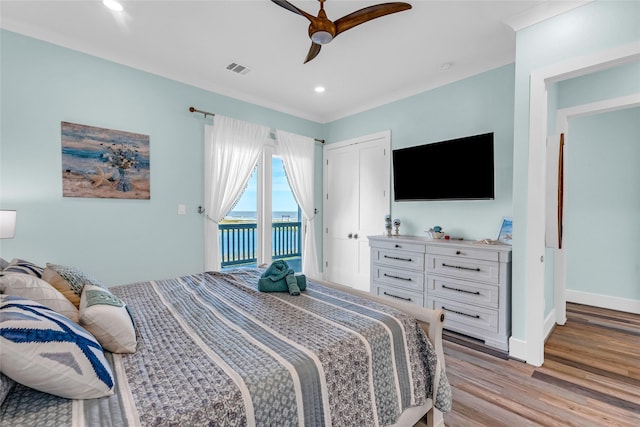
590,377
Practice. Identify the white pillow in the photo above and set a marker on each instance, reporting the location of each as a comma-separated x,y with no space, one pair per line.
46,351
107,318
35,289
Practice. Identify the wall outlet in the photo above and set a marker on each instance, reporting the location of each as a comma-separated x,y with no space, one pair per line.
182,210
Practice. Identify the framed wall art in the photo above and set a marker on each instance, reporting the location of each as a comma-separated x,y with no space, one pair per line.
104,163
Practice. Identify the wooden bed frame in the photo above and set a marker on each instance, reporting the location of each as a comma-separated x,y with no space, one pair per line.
432,322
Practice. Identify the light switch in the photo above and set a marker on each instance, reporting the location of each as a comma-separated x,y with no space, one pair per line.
182,210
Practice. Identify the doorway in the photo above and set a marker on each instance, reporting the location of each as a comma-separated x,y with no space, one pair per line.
607,207
533,349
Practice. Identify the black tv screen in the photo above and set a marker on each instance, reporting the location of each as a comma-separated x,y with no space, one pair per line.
456,169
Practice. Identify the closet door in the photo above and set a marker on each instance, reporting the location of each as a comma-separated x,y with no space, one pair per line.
356,199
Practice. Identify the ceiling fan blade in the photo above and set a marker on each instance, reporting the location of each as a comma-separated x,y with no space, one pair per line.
313,52
367,14
285,4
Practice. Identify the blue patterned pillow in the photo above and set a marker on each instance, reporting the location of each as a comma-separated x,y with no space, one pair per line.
76,278
21,266
46,351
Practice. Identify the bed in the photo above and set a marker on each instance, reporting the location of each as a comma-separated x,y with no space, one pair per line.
212,350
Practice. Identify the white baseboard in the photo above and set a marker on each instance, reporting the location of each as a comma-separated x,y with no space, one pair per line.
518,349
549,324
604,301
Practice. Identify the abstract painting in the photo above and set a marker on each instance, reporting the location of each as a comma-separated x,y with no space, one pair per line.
104,163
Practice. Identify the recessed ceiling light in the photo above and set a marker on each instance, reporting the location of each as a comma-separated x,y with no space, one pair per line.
113,5
319,89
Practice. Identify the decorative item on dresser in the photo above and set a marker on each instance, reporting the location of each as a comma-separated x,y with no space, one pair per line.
470,281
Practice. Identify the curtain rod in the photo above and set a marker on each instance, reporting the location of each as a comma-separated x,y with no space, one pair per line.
206,113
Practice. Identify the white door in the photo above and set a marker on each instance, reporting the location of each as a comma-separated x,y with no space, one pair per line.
356,199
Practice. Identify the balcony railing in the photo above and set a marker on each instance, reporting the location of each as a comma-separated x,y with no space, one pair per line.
238,242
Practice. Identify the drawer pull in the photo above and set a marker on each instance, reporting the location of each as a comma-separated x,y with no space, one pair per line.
475,316
398,246
459,267
408,279
396,296
461,290
398,258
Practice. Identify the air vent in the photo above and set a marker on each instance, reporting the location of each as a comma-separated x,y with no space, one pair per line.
237,68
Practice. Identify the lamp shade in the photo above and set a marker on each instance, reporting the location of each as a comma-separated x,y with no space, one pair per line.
7,224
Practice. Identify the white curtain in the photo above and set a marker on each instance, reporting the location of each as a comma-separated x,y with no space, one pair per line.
297,154
231,151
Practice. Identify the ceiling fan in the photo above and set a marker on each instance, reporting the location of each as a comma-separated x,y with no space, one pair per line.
322,30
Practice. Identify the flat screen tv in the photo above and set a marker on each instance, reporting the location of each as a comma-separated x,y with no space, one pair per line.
456,169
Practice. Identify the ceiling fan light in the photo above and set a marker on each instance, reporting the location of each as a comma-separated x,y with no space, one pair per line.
113,5
321,37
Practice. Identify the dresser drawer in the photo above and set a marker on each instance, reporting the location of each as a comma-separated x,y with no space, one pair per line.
396,258
398,245
464,317
407,279
464,291
464,252
472,269
396,294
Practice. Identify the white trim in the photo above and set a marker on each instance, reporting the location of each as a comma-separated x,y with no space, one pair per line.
563,115
265,189
605,301
535,225
386,134
517,349
549,324
559,286
542,12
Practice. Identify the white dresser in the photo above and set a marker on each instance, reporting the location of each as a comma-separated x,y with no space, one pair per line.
471,282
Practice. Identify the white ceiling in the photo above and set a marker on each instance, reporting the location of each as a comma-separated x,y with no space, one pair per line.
193,42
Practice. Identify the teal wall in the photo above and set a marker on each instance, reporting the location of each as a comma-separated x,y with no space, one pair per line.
602,209
479,104
117,241
593,27
606,84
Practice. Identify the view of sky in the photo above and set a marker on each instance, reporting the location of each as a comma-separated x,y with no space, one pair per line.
283,199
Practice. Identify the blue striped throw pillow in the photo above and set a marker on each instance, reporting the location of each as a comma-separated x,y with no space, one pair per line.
21,266
46,351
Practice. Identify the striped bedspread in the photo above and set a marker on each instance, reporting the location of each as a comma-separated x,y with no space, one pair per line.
212,350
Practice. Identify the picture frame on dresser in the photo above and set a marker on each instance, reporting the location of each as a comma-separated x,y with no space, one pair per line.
505,232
